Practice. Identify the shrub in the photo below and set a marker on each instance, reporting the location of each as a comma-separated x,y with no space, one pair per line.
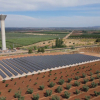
93,84
46,47
61,81
90,69
35,47
9,90
41,50
75,69
0,93
67,75
55,98
30,51
76,83
21,98
83,75
77,72
77,77
69,80
99,81
11,79
76,99
15,83
77,91
6,85
17,94
61,76
50,71
3,81
37,78
96,93
36,97
55,78
29,91
26,76
97,72
43,76
91,73
87,97
27,86
48,80
59,89
85,88
2,98
55,73
85,81
98,76
48,93
66,94
72,47
60,72
32,74
68,86
51,84
50,74
19,77
41,87
97,40
83,67
92,78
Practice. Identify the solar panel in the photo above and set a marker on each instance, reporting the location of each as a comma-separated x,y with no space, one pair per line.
34,63
2,74
5,70
9,68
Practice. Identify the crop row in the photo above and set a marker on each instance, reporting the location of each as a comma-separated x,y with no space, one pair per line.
80,74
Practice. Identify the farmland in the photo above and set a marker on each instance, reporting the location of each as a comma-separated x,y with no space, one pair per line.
23,39
70,83
85,34
91,49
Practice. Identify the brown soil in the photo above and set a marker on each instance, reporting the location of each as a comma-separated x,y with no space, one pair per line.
77,33
91,49
71,72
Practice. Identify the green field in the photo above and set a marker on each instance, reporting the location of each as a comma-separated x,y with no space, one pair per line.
22,39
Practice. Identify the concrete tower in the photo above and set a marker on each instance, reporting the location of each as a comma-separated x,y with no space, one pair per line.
2,19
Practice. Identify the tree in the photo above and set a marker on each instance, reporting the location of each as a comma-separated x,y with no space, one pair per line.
42,50
35,47
30,51
59,43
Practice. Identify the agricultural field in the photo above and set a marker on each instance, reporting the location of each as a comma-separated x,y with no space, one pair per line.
80,82
85,34
91,49
24,39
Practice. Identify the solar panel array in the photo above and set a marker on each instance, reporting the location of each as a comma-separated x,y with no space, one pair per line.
24,65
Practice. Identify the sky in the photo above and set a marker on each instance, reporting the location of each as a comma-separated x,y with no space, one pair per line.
51,13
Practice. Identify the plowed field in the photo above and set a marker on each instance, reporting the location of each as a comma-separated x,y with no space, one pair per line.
90,70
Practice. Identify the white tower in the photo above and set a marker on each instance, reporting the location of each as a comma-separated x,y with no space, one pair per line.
2,19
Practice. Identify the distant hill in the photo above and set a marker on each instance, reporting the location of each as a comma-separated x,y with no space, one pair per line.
24,29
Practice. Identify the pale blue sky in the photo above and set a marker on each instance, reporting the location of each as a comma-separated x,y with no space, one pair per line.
51,13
